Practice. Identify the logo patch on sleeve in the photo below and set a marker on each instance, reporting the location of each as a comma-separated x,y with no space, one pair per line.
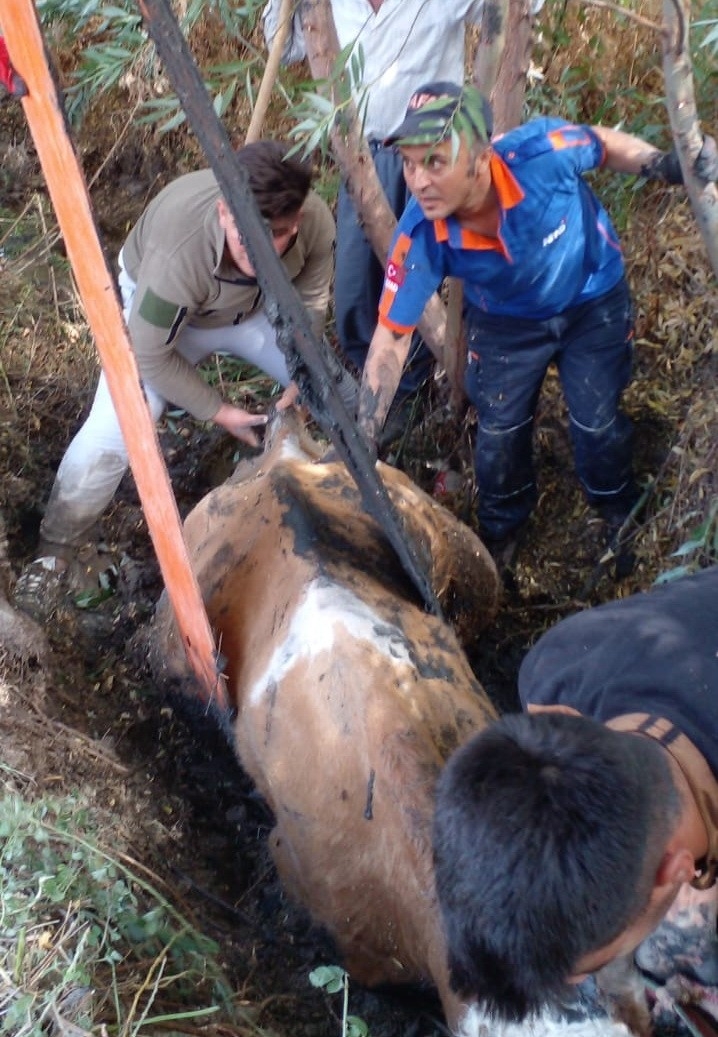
160,313
395,276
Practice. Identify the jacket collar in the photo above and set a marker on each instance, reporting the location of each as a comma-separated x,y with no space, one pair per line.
699,777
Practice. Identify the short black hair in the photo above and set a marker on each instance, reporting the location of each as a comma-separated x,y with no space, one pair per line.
548,833
280,184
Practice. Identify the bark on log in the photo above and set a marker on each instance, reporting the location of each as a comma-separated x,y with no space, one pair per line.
254,131
687,136
502,59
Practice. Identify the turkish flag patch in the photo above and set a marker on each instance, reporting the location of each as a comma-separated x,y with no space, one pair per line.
395,273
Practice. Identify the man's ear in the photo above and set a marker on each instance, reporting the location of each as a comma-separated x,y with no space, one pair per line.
677,866
481,161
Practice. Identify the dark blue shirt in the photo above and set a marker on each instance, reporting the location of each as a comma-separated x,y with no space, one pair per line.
655,652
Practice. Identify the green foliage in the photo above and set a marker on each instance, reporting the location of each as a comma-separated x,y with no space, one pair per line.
221,81
117,49
317,115
75,922
90,599
579,89
331,978
705,30
704,37
334,980
710,38
700,550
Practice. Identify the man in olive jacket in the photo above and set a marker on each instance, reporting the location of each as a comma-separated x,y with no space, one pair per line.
189,290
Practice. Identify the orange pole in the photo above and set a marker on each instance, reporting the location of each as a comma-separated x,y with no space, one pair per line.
70,198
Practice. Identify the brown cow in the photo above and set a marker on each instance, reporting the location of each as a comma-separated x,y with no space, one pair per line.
349,696
347,699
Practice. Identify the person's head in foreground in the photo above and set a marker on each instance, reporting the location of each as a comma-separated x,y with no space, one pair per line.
444,143
558,846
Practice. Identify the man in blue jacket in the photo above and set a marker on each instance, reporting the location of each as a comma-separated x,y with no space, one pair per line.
543,274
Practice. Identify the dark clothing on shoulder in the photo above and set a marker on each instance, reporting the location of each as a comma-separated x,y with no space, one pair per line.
655,652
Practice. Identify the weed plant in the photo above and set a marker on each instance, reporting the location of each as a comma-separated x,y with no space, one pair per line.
85,940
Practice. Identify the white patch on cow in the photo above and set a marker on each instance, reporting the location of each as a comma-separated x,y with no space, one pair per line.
480,1024
315,627
292,451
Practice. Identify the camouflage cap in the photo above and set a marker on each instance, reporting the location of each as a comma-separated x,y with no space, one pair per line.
438,109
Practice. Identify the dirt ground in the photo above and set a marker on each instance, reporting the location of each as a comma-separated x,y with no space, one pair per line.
84,712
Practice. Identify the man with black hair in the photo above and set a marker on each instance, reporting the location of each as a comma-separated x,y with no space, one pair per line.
188,290
513,218
563,835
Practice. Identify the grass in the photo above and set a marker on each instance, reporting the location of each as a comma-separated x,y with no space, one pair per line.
86,938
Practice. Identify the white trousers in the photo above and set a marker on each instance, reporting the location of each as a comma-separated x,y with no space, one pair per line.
96,459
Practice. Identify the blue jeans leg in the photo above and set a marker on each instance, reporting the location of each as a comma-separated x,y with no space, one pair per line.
594,364
359,276
506,365
507,362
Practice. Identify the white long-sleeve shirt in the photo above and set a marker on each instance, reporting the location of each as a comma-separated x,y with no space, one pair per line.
405,43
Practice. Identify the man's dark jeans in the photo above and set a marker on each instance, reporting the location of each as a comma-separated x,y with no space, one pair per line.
591,345
359,276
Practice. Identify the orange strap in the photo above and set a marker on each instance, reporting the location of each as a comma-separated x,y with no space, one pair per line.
71,201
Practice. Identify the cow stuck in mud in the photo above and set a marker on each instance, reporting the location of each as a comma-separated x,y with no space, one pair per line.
347,696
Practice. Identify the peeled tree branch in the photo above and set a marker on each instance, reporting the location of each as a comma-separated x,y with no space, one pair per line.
682,114
500,68
502,59
355,161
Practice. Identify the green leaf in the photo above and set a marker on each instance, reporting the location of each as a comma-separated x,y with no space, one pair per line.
356,1027
319,103
340,62
90,599
687,548
328,977
672,574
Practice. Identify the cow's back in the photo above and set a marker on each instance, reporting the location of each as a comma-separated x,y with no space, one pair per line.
349,695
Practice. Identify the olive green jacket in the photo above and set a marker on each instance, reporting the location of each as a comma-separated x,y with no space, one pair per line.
175,253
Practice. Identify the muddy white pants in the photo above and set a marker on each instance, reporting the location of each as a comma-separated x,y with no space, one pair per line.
96,459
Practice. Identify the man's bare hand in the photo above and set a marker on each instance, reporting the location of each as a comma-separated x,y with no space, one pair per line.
240,423
288,398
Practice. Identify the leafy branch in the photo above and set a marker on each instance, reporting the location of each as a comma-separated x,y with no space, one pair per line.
700,548
119,52
324,103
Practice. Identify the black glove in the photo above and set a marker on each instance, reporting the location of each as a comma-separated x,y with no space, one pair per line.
665,166
705,166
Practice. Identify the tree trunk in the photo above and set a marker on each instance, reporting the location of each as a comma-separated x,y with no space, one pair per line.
681,104
509,90
492,39
274,58
356,165
499,71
